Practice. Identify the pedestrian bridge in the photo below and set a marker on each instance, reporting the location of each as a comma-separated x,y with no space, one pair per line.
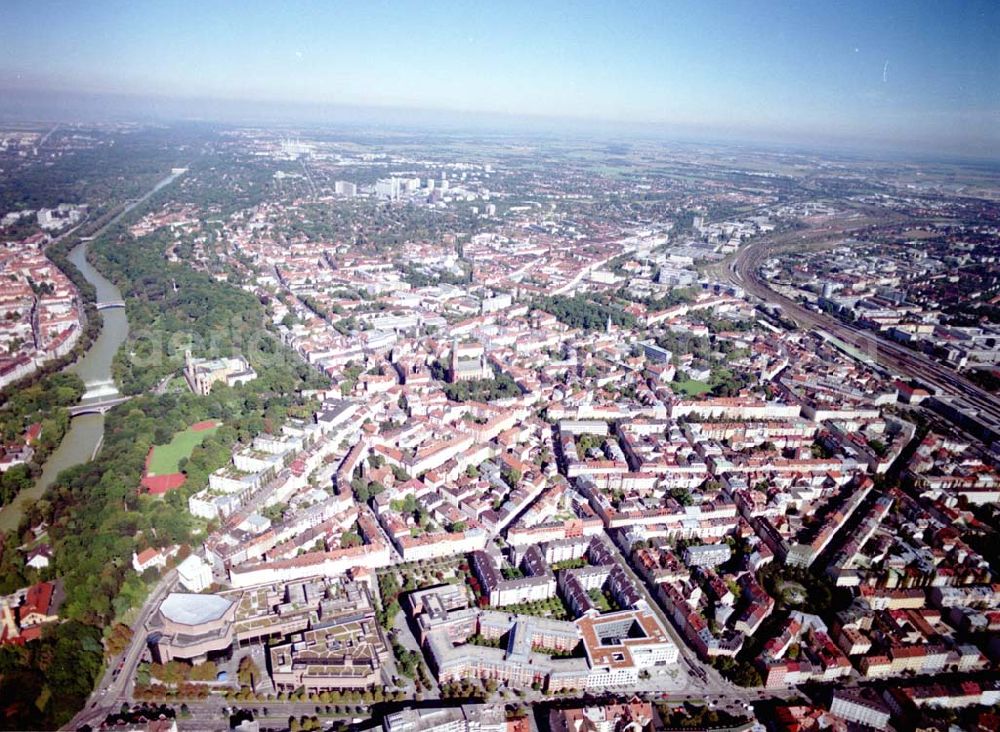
101,407
108,304
101,395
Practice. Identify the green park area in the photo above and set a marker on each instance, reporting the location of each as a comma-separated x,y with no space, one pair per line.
166,458
690,387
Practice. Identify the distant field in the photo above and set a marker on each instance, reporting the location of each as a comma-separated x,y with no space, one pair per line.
690,387
166,458
920,234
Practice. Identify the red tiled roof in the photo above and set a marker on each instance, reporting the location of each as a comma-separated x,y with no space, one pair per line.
38,599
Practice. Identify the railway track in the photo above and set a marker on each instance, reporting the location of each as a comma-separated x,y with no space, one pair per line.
744,272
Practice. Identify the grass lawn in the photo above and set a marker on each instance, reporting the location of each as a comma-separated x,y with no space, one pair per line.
554,608
600,601
166,458
690,387
793,593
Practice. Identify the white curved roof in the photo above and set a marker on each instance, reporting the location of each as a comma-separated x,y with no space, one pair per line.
191,609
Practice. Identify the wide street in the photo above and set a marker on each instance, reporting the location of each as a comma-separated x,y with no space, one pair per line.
116,685
695,675
214,713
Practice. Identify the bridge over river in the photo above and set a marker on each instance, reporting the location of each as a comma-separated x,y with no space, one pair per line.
101,395
109,304
86,432
98,407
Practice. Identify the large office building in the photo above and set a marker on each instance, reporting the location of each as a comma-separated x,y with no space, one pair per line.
343,647
327,632
345,188
620,645
617,646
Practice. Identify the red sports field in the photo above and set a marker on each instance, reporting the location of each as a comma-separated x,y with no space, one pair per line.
162,472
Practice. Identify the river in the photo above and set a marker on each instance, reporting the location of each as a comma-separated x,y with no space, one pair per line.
86,432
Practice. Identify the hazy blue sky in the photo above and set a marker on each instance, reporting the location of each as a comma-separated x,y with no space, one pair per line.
912,71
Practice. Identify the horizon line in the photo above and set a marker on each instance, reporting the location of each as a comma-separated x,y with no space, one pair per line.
50,105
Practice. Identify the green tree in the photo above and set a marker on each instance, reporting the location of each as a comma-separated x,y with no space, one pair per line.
248,672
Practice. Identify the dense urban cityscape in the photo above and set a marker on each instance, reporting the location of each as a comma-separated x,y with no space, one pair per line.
703,438
518,367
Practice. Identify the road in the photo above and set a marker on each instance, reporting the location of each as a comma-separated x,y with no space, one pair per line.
161,388
578,278
116,685
700,675
45,138
744,271
312,185
213,714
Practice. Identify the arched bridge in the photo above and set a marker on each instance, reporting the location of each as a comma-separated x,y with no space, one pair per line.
108,304
100,407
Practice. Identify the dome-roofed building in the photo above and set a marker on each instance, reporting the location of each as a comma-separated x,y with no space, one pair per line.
189,626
